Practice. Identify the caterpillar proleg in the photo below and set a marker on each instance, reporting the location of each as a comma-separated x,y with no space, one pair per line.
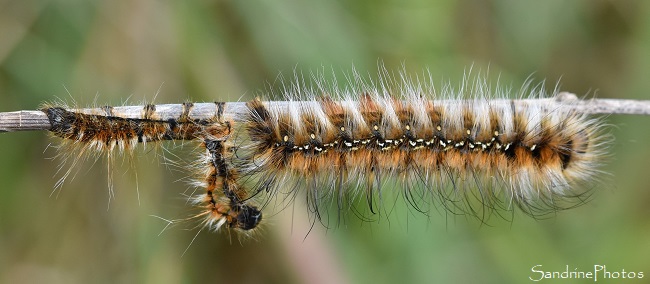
472,150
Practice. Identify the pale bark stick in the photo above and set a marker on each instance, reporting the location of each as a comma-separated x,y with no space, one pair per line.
26,120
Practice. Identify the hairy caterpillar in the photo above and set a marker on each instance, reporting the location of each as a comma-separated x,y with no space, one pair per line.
471,150
223,201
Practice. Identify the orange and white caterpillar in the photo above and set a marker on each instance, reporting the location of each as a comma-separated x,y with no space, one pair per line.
459,148
533,155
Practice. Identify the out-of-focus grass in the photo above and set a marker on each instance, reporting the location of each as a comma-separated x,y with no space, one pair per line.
108,51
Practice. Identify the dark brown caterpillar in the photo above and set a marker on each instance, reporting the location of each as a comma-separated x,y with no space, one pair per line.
224,203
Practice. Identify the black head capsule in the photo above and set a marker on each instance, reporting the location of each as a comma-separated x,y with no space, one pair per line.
248,217
62,121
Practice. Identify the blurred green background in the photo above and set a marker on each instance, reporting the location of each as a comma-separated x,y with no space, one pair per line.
108,51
